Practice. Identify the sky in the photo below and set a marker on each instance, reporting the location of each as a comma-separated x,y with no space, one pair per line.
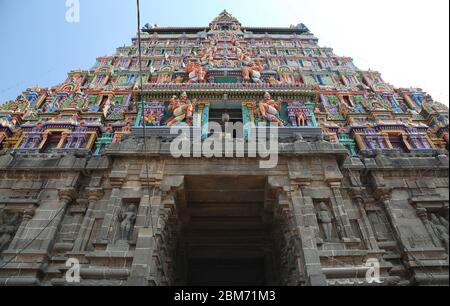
406,40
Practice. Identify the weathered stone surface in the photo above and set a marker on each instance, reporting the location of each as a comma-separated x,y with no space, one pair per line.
382,207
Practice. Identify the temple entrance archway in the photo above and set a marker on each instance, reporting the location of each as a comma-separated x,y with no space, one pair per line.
227,234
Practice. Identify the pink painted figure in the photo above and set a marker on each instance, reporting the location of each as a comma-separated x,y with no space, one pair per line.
270,110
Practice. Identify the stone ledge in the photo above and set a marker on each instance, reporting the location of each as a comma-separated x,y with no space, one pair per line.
19,281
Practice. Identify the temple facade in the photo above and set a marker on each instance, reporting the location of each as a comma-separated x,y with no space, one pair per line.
88,174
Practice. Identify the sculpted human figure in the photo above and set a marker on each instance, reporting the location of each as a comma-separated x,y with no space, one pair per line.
253,71
127,219
182,109
302,120
270,110
196,73
326,220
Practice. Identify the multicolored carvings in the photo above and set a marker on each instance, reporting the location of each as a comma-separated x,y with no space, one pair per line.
264,75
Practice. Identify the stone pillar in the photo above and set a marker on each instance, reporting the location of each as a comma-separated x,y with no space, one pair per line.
112,210
340,212
65,197
153,262
384,197
146,262
303,213
94,195
27,217
368,234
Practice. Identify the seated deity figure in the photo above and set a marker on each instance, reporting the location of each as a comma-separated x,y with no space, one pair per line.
127,219
182,109
196,73
252,71
270,110
150,117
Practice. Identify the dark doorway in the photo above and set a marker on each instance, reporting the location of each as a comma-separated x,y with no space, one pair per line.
226,233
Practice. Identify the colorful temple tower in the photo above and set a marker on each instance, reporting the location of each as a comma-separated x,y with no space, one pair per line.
86,171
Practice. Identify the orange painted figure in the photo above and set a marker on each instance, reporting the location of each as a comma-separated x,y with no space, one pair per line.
253,72
270,110
196,72
182,109
302,120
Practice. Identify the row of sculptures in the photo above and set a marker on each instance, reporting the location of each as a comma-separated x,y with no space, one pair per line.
182,110
197,67
437,226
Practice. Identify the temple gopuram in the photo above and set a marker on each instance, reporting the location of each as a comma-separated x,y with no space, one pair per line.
87,176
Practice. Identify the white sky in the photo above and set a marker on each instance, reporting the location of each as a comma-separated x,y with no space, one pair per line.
406,40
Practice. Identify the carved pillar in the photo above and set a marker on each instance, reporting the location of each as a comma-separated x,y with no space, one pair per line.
299,216
368,234
26,218
112,210
66,196
302,213
94,195
339,211
383,195
153,261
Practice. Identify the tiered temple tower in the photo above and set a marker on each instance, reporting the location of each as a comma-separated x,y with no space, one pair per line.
362,172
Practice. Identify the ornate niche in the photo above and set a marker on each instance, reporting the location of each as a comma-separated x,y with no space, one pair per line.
153,114
328,229
286,75
436,222
301,114
125,234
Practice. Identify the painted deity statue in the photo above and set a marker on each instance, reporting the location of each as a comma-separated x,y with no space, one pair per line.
302,120
182,109
196,73
270,110
253,71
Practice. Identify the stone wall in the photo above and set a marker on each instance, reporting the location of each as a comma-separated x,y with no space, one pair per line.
120,214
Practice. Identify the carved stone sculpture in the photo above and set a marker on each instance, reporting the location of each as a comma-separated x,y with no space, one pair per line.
326,220
182,108
422,213
196,73
127,219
